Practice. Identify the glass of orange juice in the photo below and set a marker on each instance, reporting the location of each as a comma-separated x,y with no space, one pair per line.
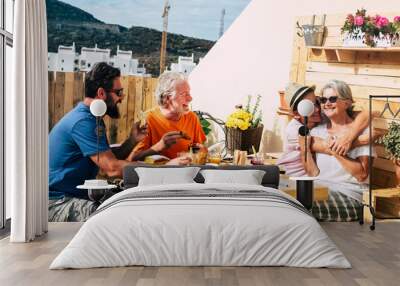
215,158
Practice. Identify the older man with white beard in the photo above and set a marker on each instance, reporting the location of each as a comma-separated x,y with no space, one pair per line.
172,127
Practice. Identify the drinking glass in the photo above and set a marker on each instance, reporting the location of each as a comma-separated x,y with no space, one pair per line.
258,159
215,158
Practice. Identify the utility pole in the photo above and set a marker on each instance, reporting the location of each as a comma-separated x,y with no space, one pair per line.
221,25
163,52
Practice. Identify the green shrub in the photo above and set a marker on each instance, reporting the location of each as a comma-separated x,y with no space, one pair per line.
391,141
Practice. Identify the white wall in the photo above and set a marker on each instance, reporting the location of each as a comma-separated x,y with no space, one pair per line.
123,64
254,55
66,62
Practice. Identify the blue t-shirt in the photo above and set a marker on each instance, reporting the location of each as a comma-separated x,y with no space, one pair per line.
71,143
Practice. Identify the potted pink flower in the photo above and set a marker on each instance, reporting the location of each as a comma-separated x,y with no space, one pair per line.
396,26
382,31
359,21
396,22
354,29
362,30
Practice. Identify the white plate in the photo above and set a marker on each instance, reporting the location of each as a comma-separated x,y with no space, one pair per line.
88,187
305,178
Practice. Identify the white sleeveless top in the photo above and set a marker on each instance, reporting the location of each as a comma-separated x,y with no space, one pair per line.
332,172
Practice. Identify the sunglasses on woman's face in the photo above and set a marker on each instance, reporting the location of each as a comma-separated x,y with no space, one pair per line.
331,99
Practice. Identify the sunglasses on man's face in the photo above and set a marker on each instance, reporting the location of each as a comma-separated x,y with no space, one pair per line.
118,92
331,99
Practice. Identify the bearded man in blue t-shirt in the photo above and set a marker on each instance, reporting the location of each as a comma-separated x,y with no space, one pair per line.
74,147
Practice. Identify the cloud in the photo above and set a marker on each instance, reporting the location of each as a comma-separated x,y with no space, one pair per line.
196,18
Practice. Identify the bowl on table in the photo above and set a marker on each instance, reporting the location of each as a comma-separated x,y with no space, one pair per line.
97,189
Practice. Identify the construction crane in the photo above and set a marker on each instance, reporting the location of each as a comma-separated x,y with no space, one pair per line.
221,26
163,52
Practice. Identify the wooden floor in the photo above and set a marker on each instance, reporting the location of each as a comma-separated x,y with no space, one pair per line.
375,257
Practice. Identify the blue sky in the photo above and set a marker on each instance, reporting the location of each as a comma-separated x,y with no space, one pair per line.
196,18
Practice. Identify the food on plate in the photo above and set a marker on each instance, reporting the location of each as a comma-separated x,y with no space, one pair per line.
156,160
215,159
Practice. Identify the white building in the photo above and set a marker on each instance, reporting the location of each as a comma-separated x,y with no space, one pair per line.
123,60
185,65
68,60
64,60
90,56
142,71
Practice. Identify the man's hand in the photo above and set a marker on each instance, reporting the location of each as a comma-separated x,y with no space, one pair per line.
308,162
180,161
302,143
124,151
138,132
341,145
320,145
167,141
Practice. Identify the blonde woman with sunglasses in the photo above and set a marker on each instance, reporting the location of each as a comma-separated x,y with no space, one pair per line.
346,173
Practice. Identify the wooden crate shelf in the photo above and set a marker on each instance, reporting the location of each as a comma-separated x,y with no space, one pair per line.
385,201
347,54
357,49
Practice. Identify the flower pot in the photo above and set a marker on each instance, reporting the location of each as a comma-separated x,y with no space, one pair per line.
386,41
355,38
358,39
313,34
243,139
282,101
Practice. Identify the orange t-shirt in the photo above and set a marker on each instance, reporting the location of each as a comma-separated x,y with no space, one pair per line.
158,125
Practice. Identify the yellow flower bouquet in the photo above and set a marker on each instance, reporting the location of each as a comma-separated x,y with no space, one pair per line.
239,119
244,127
245,118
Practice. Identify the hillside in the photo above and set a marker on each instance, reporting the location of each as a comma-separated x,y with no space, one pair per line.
67,24
60,11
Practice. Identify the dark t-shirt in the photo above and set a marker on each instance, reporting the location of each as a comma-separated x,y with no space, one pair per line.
71,143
